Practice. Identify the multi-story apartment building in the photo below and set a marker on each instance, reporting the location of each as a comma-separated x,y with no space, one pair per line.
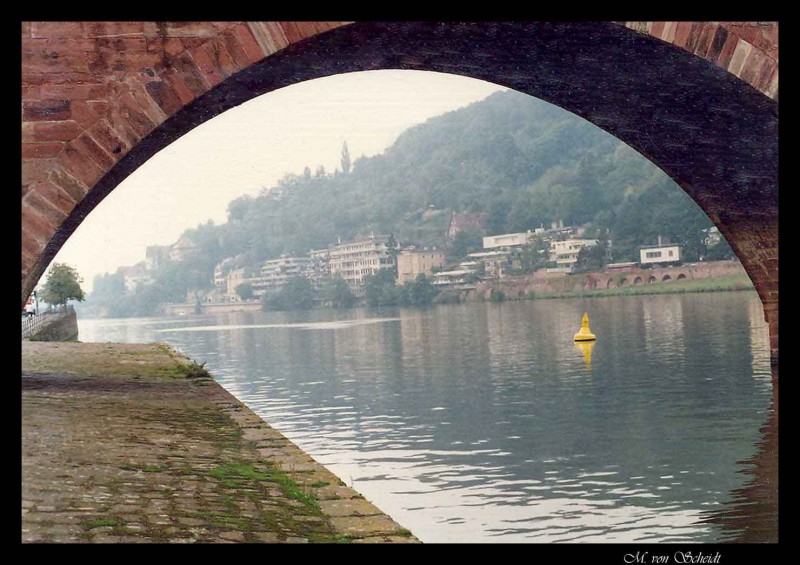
276,272
354,260
495,263
320,267
565,252
221,271
507,240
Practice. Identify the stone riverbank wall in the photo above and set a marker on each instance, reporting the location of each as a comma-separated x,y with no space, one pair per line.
544,284
131,443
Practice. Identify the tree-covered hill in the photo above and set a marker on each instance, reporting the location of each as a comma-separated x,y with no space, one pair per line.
523,161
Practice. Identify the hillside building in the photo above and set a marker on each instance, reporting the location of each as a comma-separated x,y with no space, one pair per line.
565,252
354,260
412,262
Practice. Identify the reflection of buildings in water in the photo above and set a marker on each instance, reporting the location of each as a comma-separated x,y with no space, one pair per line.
238,345
759,337
510,334
663,322
361,348
752,514
434,345
414,337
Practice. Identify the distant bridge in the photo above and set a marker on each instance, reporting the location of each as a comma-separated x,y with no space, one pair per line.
688,271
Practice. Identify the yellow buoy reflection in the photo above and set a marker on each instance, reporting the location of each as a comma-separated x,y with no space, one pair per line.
585,347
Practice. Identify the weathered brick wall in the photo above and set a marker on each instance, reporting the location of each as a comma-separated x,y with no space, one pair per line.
748,50
92,90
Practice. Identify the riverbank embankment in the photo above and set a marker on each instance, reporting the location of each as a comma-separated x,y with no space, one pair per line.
125,443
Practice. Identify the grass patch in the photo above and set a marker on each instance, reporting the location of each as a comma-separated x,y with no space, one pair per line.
100,523
239,475
193,370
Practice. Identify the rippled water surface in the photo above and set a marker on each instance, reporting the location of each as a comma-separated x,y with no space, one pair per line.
485,422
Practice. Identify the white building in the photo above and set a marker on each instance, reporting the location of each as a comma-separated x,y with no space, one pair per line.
655,254
507,240
450,278
495,263
712,236
276,272
320,268
221,273
182,249
354,260
237,277
565,252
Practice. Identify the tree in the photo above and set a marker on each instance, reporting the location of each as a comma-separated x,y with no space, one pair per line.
719,252
338,293
63,284
466,241
381,289
393,250
345,158
592,259
245,291
296,294
422,291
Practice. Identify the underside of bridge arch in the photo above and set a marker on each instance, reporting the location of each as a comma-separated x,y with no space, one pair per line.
709,130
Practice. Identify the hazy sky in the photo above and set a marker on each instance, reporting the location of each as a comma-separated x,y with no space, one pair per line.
252,146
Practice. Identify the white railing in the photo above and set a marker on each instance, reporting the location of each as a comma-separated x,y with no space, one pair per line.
32,324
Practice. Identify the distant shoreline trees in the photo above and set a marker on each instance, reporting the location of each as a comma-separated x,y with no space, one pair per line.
63,284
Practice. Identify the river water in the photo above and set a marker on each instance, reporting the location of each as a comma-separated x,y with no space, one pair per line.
484,422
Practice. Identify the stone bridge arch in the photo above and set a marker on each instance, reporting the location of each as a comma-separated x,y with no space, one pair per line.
697,99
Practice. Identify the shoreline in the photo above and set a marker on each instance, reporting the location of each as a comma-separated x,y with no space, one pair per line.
134,443
725,283
513,290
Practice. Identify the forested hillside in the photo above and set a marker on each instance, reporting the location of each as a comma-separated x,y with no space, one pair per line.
525,162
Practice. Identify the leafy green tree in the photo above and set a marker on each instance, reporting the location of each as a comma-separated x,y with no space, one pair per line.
245,291
719,252
465,242
345,159
63,284
338,293
423,291
393,250
381,289
592,259
296,294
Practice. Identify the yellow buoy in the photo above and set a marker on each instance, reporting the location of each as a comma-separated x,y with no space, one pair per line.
584,334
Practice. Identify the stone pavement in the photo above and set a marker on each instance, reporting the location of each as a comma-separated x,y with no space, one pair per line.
134,444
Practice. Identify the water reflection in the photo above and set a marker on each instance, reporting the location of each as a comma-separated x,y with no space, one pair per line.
585,349
751,516
484,422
